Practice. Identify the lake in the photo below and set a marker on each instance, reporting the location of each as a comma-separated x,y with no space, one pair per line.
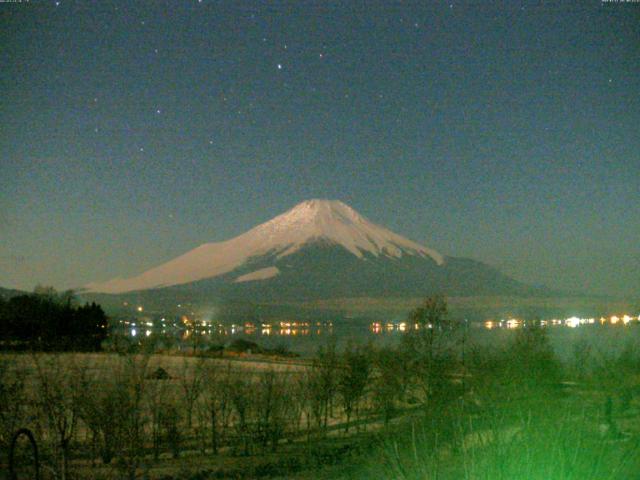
602,335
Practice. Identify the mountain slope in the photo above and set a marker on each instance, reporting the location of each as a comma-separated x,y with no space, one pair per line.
318,249
323,270
332,221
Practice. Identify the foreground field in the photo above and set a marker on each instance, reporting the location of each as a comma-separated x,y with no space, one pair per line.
435,406
111,415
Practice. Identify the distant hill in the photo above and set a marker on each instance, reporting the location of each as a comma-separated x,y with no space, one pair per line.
7,293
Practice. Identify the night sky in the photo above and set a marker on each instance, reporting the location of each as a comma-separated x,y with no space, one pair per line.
131,132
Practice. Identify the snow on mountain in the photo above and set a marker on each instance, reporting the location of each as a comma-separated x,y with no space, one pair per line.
261,274
309,221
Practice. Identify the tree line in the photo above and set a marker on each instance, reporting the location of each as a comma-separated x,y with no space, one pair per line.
48,320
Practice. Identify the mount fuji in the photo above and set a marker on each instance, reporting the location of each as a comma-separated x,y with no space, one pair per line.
319,249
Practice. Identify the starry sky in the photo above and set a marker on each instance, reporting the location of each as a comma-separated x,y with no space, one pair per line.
508,132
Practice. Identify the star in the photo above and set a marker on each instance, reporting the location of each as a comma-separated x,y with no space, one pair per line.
57,4
141,149
158,111
279,66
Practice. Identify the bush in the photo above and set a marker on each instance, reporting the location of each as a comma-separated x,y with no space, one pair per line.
159,374
548,446
281,351
240,345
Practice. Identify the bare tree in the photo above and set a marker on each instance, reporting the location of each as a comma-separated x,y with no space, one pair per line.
191,375
156,399
169,422
322,384
55,399
297,403
317,397
386,383
430,349
215,407
130,379
98,401
243,402
12,401
272,404
353,378
308,404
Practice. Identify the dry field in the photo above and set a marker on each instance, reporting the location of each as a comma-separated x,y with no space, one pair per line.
104,415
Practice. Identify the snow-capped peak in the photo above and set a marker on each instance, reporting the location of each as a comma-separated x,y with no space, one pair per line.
320,211
309,221
339,223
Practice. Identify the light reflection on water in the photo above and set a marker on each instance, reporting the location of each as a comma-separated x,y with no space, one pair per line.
294,329
608,333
